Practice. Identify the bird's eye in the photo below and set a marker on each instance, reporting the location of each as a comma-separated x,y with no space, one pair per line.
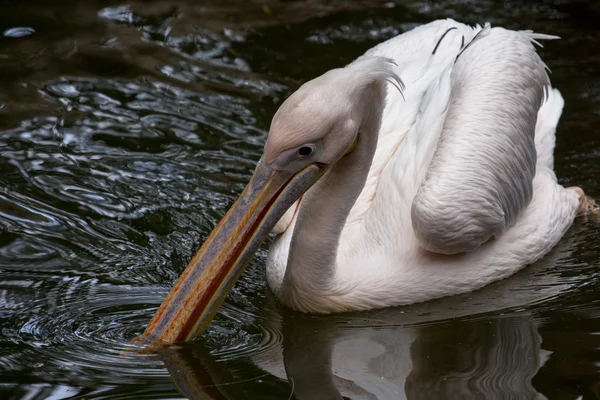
305,151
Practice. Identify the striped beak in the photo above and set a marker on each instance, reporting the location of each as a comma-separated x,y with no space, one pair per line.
192,303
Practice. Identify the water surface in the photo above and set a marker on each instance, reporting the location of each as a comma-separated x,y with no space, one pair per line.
127,130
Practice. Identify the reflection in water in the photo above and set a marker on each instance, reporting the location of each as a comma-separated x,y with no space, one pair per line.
323,360
480,345
126,131
191,373
486,359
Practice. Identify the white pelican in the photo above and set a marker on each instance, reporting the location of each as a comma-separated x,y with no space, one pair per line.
422,169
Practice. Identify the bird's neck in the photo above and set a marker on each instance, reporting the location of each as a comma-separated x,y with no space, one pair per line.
312,260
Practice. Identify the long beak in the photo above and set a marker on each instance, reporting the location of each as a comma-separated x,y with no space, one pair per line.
195,298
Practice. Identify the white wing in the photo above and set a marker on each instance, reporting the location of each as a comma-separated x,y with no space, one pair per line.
481,175
460,148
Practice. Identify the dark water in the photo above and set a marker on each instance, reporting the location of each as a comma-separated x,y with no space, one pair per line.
126,131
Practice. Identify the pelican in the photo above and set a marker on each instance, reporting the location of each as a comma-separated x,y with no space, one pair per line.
422,169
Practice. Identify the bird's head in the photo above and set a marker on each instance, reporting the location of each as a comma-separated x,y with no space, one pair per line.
316,124
320,122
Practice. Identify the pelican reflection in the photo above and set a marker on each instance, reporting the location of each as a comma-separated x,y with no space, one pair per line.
484,344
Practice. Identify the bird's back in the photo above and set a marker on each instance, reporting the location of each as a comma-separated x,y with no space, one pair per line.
456,156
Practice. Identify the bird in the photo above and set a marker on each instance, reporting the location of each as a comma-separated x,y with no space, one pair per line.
422,169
